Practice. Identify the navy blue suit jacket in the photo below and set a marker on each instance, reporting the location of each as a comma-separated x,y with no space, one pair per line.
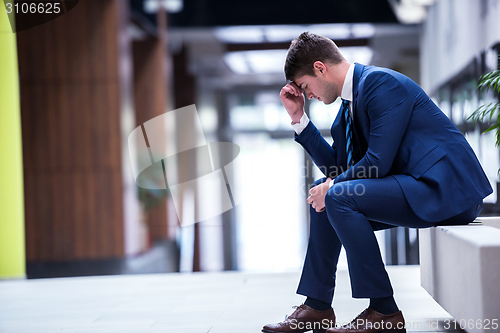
400,132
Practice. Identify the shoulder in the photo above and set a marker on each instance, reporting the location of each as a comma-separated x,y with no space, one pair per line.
372,74
377,80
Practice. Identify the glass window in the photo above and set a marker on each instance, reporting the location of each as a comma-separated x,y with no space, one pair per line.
323,115
270,223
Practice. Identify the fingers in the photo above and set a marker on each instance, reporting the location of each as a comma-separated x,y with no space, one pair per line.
314,190
291,89
310,199
311,202
296,88
314,205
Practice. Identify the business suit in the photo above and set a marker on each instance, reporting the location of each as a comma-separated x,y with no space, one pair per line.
414,166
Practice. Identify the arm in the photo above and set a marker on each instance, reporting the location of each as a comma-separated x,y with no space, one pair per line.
389,108
323,155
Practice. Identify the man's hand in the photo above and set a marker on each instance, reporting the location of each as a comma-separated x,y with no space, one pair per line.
293,100
317,195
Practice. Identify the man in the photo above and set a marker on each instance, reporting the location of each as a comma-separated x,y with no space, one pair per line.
396,160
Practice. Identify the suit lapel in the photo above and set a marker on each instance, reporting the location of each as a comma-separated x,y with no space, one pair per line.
360,143
338,135
358,69
339,127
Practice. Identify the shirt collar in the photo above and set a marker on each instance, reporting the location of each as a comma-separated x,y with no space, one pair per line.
347,87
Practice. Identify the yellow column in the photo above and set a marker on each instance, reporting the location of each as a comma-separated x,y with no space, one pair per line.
12,244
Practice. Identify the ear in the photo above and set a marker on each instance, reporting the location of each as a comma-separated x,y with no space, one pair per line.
319,67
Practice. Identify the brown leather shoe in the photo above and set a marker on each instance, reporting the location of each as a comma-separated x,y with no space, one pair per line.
371,321
304,319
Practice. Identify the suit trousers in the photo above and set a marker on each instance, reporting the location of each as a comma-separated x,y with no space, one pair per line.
353,211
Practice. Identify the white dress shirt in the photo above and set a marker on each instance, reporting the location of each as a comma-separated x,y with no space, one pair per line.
345,94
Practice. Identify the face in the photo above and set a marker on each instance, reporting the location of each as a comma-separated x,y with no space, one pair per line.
317,87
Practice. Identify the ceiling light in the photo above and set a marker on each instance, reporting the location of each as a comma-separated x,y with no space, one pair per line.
171,6
411,11
240,34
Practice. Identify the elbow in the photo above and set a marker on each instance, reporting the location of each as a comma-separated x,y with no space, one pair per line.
380,171
377,168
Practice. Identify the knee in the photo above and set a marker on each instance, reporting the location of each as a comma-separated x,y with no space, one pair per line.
338,191
340,196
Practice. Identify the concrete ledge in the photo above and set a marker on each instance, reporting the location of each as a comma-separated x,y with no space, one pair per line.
489,221
460,269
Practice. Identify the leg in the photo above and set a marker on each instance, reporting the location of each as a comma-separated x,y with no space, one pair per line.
318,278
354,208
350,207
318,274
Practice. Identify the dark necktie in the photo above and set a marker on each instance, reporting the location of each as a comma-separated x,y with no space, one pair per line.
348,132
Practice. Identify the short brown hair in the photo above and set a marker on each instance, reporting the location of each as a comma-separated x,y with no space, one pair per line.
305,51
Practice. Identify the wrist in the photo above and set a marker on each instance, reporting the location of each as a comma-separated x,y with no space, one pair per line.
296,118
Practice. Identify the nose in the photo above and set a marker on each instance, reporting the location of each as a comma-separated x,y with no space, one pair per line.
310,96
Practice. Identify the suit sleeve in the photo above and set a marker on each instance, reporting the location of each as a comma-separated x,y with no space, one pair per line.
389,107
322,154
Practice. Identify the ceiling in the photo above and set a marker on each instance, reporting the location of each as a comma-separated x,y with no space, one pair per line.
237,43
219,13
212,13
221,62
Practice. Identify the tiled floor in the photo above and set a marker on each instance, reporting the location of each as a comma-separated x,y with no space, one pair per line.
226,302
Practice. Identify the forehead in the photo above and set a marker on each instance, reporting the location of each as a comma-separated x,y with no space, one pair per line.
302,80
